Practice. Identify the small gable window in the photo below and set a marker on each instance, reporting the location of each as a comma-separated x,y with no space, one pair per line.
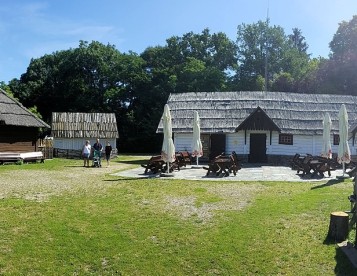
286,139
336,139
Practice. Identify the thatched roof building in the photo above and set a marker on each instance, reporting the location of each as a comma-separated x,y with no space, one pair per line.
13,113
19,128
84,125
228,112
70,130
259,126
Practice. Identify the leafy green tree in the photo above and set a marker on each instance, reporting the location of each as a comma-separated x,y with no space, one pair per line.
257,43
297,41
262,47
91,78
282,82
337,74
6,88
344,57
193,62
308,82
345,39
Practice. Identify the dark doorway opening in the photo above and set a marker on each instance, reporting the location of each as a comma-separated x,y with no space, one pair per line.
257,148
218,145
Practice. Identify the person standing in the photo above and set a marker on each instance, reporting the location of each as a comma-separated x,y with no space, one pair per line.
98,152
108,151
86,153
97,145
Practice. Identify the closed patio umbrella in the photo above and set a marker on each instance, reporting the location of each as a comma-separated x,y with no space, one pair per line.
326,146
344,154
196,140
168,147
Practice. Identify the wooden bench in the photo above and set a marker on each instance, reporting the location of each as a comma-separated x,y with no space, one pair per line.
186,157
180,160
313,165
9,158
301,164
223,165
154,165
236,165
33,156
13,157
326,165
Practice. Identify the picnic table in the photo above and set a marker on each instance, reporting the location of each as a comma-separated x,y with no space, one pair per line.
156,164
223,165
313,165
186,157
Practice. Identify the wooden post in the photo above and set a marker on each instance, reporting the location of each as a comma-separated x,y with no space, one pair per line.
338,229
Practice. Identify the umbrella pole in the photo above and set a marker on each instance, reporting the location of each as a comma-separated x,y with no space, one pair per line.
343,169
168,170
197,160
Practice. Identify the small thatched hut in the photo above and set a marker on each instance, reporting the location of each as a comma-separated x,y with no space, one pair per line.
71,130
19,128
259,126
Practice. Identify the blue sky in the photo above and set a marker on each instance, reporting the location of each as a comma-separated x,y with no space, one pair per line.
31,29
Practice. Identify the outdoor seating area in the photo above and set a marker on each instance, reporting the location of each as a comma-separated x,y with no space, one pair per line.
157,165
221,165
313,166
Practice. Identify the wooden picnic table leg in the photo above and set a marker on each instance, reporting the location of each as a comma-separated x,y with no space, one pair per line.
219,171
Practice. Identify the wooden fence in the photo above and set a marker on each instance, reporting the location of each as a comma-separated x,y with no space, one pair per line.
75,154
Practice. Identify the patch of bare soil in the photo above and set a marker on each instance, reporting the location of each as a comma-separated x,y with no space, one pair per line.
233,197
39,184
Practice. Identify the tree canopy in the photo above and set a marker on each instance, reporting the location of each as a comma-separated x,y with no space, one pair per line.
94,77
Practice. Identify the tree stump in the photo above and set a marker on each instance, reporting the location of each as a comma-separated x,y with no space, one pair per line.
338,229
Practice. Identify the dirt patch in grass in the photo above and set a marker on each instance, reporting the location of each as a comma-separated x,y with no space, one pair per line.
228,197
39,184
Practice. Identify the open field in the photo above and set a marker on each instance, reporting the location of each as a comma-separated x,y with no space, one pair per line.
59,218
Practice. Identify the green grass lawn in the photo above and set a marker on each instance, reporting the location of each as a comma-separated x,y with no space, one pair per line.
166,226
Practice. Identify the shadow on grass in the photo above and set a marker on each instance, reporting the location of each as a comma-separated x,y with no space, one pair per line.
133,162
343,264
138,177
328,183
126,179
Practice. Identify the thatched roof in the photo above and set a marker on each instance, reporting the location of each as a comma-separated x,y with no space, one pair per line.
225,111
13,113
84,125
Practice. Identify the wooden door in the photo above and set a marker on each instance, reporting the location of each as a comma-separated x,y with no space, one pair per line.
258,148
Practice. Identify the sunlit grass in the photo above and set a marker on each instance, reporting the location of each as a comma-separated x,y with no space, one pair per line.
172,227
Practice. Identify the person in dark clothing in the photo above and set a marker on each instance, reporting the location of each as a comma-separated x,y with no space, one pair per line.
97,154
98,146
108,150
